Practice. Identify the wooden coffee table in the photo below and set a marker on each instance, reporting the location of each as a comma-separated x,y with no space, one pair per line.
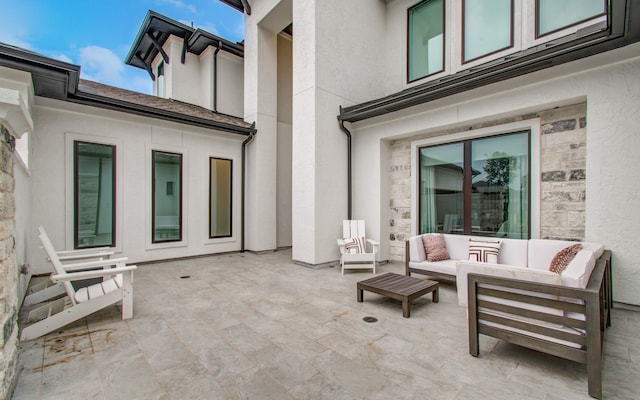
399,287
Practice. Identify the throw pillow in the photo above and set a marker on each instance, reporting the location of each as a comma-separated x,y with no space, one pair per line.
435,247
354,245
484,251
562,258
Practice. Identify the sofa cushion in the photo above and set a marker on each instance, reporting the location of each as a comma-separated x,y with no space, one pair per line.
435,247
447,267
464,268
457,246
484,250
562,258
542,251
416,249
578,272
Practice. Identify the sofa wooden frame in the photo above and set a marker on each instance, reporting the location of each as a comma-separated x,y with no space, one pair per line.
510,323
435,275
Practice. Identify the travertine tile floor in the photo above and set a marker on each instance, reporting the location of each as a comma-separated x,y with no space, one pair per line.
247,326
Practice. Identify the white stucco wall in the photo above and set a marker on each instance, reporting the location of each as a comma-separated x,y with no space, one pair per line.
58,124
230,84
336,61
179,77
608,82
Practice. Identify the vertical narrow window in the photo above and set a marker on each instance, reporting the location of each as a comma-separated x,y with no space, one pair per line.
425,42
554,15
441,188
94,195
487,27
478,187
167,197
160,79
220,204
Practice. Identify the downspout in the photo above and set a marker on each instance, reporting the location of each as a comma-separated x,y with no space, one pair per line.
346,132
215,75
252,133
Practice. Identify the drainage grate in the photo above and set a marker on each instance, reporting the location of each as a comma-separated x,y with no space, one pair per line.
370,319
185,277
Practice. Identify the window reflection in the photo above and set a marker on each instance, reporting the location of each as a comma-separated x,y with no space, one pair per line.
167,197
94,192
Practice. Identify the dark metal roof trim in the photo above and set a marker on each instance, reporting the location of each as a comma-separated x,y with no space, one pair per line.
155,26
155,31
200,40
620,32
94,100
51,78
238,5
60,81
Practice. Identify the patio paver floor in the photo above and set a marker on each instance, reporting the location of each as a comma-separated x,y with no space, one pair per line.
247,326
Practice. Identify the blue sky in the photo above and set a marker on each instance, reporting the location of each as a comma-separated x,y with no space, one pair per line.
97,34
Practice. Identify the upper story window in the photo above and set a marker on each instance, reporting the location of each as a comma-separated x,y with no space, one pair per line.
487,27
554,15
160,80
94,195
425,39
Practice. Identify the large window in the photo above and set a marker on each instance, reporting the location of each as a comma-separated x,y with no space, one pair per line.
553,15
94,195
478,187
425,39
220,197
487,27
167,197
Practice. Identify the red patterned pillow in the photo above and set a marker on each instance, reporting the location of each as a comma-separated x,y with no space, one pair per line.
562,258
435,247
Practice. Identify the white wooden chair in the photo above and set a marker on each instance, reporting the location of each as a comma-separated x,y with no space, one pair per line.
118,287
47,290
353,247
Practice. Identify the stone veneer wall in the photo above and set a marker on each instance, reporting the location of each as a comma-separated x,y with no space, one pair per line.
562,170
8,269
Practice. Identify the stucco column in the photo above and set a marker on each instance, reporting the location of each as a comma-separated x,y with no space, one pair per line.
260,73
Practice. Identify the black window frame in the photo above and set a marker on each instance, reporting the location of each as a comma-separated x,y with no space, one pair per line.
511,41
468,184
76,194
444,41
537,20
153,198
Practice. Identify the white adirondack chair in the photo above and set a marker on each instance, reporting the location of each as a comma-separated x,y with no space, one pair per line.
353,247
118,287
48,290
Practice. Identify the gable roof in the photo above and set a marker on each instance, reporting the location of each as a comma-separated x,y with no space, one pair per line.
156,30
59,80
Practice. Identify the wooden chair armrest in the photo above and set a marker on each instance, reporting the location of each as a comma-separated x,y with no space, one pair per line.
82,256
95,264
98,273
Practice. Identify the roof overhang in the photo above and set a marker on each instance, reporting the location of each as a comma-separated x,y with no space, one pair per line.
240,5
156,30
59,80
621,29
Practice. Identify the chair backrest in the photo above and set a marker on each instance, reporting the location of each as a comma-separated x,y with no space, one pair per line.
353,228
57,265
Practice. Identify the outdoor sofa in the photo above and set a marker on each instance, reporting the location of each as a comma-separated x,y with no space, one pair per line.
517,299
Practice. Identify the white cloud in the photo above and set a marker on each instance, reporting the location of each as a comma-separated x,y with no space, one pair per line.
101,65
181,4
64,58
